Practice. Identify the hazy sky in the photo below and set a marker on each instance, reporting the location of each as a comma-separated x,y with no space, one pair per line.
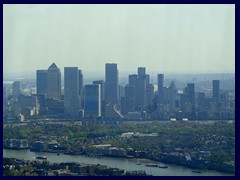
162,38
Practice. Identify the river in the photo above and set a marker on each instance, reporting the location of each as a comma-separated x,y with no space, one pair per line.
121,163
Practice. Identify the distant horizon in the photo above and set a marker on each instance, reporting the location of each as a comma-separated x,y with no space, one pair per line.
122,74
164,38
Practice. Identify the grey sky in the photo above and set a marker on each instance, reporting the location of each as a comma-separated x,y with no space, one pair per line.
162,38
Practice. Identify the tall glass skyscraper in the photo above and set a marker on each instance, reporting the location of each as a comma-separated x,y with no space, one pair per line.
71,92
160,78
92,100
215,92
111,88
80,78
53,82
41,82
16,90
130,98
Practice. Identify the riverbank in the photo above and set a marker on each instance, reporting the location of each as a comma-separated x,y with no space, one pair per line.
225,168
13,167
121,163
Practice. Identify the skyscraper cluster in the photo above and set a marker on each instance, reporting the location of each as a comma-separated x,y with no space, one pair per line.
106,99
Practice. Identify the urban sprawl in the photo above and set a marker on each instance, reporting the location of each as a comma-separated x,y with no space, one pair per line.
170,125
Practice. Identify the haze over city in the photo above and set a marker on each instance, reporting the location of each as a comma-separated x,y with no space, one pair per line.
162,38
119,90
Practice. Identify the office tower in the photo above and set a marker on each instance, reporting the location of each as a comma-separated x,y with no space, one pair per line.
140,100
142,74
41,81
102,87
92,100
130,98
185,105
54,107
147,79
111,88
132,79
190,91
80,89
71,92
201,99
16,91
149,94
53,82
141,71
170,97
215,91
160,87
29,105
139,83
41,100
190,104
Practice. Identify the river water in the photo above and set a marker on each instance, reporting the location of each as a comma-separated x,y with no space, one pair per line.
121,163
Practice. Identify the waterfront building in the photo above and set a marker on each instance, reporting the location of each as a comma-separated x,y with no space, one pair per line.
111,88
140,100
190,104
53,82
170,97
92,100
71,92
130,98
41,82
140,83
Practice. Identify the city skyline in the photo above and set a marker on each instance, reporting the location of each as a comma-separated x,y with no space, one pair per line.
162,38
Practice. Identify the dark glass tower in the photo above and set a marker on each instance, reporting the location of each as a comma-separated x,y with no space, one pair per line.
71,91
190,91
215,92
160,87
111,88
92,100
41,82
53,82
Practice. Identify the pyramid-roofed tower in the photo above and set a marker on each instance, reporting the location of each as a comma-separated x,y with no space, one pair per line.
53,66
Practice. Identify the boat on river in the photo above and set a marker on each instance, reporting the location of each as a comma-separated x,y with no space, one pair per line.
151,165
42,157
163,166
